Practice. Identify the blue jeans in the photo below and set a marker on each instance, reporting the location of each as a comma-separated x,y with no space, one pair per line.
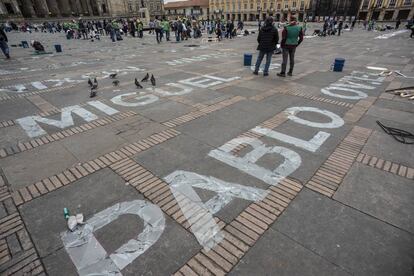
259,61
4,47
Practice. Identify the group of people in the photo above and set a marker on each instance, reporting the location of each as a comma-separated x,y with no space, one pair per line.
268,38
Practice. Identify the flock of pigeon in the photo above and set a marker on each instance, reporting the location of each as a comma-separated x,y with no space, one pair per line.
115,82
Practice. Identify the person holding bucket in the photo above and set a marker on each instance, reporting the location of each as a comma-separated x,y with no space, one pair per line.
3,43
268,38
292,37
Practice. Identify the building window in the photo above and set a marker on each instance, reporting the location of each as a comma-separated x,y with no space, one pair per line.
378,4
251,6
265,6
407,3
9,8
278,6
294,4
286,5
271,5
392,4
365,4
130,7
245,6
302,5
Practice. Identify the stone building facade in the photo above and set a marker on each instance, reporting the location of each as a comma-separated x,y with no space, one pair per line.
386,10
333,8
252,10
193,8
76,8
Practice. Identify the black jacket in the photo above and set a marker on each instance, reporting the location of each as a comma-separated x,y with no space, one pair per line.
268,38
3,36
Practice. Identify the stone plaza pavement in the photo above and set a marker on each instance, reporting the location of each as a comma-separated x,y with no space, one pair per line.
213,170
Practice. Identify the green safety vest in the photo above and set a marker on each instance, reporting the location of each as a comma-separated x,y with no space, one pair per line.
293,32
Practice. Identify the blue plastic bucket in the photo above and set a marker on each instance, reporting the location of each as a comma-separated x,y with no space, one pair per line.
25,44
339,64
248,59
58,48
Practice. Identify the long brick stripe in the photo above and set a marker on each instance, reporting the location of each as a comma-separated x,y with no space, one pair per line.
358,110
158,192
25,94
202,112
385,165
271,123
291,91
243,232
330,175
17,253
25,146
77,172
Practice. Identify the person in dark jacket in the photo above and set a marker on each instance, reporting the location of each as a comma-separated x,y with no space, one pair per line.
268,38
3,43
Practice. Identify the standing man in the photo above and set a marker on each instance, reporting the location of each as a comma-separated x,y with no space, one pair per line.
140,28
397,24
292,37
3,43
268,39
340,25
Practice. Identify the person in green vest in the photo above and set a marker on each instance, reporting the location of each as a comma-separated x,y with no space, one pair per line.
292,37
140,28
166,28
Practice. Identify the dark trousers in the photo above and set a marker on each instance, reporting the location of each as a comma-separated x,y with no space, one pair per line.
259,61
158,34
4,48
412,32
339,32
291,54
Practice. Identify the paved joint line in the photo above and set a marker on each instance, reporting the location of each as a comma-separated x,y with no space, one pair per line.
158,192
17,253
243,232
37,142
42,104
299,93
25,94
358,110
331,173
385,165
202,112
81,170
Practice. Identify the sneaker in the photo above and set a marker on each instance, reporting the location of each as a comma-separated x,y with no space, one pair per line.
255,73
289,74
265,74
281,75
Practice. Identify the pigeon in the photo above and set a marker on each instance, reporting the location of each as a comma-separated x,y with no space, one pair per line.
90,82
94,86
93,93
145,78
115,82
112,76
152,80
138,85
95,81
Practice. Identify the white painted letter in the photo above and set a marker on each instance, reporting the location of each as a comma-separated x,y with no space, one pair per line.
32,128
248,164
143,99
199,214
103,107
336,121
312,145
184,90
88,255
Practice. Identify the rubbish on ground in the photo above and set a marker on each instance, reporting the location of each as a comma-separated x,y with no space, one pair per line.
74,221
66,213
402,75
400,135
377,68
